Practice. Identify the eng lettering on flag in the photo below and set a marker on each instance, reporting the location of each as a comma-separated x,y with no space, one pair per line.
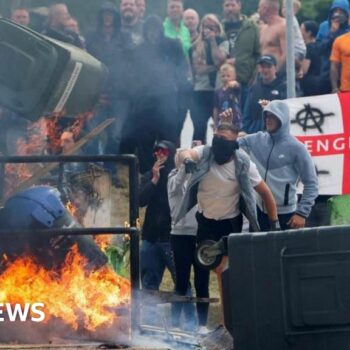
322,123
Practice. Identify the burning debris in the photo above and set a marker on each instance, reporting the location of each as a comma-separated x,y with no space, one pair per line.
67,275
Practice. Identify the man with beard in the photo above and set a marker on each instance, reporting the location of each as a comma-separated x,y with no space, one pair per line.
243,36
223,178
131,22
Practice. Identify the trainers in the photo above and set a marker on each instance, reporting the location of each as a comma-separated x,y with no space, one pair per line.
203,330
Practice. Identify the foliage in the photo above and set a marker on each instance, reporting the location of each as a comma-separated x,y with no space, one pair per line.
316,10
118,258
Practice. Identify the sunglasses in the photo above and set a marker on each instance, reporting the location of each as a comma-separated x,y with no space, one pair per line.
162,152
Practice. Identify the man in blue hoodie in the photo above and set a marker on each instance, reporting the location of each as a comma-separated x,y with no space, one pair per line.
282,160
337,24
338,13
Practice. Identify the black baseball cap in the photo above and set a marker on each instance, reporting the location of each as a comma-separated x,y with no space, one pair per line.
268,59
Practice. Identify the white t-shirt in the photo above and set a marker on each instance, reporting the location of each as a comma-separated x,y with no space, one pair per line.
218,192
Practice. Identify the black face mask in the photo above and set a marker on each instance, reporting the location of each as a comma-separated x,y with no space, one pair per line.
223,149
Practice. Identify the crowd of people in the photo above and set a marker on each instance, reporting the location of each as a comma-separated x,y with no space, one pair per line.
220,66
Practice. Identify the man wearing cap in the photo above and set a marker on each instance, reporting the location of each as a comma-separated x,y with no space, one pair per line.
268,86
155,248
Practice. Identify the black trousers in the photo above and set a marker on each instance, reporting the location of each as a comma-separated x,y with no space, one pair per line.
214,230
184,247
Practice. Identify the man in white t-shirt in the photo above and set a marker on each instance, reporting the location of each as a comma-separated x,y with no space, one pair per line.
219,188
222,175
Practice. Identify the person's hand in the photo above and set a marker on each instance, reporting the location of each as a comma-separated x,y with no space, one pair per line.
241,134
231,60
159,164
275,225
263,103
233,84
296,221
226,116
209,34
190,166
335,25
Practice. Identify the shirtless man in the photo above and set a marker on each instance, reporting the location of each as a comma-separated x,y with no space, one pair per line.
272,31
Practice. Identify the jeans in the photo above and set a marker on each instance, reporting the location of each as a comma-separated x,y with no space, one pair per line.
155,257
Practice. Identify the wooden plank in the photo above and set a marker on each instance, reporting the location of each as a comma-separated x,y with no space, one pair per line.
169,297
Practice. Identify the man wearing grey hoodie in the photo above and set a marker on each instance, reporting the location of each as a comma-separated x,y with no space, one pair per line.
282,161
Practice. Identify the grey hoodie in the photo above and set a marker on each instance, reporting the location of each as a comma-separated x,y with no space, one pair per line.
282,160
177,180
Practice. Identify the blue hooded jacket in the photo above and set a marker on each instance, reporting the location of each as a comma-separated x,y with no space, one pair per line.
325,26
282,160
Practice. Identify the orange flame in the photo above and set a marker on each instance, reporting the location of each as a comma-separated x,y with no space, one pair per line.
71,208
81,299
103,241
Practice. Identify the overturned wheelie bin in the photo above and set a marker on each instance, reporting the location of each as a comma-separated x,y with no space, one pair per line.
286,290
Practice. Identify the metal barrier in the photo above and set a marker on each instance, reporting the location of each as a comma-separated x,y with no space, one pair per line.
134,232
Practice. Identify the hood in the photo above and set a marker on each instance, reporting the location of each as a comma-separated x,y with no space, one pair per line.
281,110
341,4
108,6
153,23
170,163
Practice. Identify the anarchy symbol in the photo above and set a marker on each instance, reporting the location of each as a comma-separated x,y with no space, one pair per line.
311,118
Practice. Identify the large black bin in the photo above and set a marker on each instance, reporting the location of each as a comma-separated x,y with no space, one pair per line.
289,290
40,75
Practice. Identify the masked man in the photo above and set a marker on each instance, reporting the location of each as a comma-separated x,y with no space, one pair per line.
223,177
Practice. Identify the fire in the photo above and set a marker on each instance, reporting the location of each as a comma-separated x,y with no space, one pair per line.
71,208
81,298
103,241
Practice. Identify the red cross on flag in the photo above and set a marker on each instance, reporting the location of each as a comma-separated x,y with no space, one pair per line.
322,123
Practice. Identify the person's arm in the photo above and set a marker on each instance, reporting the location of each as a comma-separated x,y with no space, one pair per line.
146,190
216,116
219,56
306,65
269,201
335,75
176,180
188,153
307,173
149,183
283,48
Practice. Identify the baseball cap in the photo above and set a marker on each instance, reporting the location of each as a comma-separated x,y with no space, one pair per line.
267,59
